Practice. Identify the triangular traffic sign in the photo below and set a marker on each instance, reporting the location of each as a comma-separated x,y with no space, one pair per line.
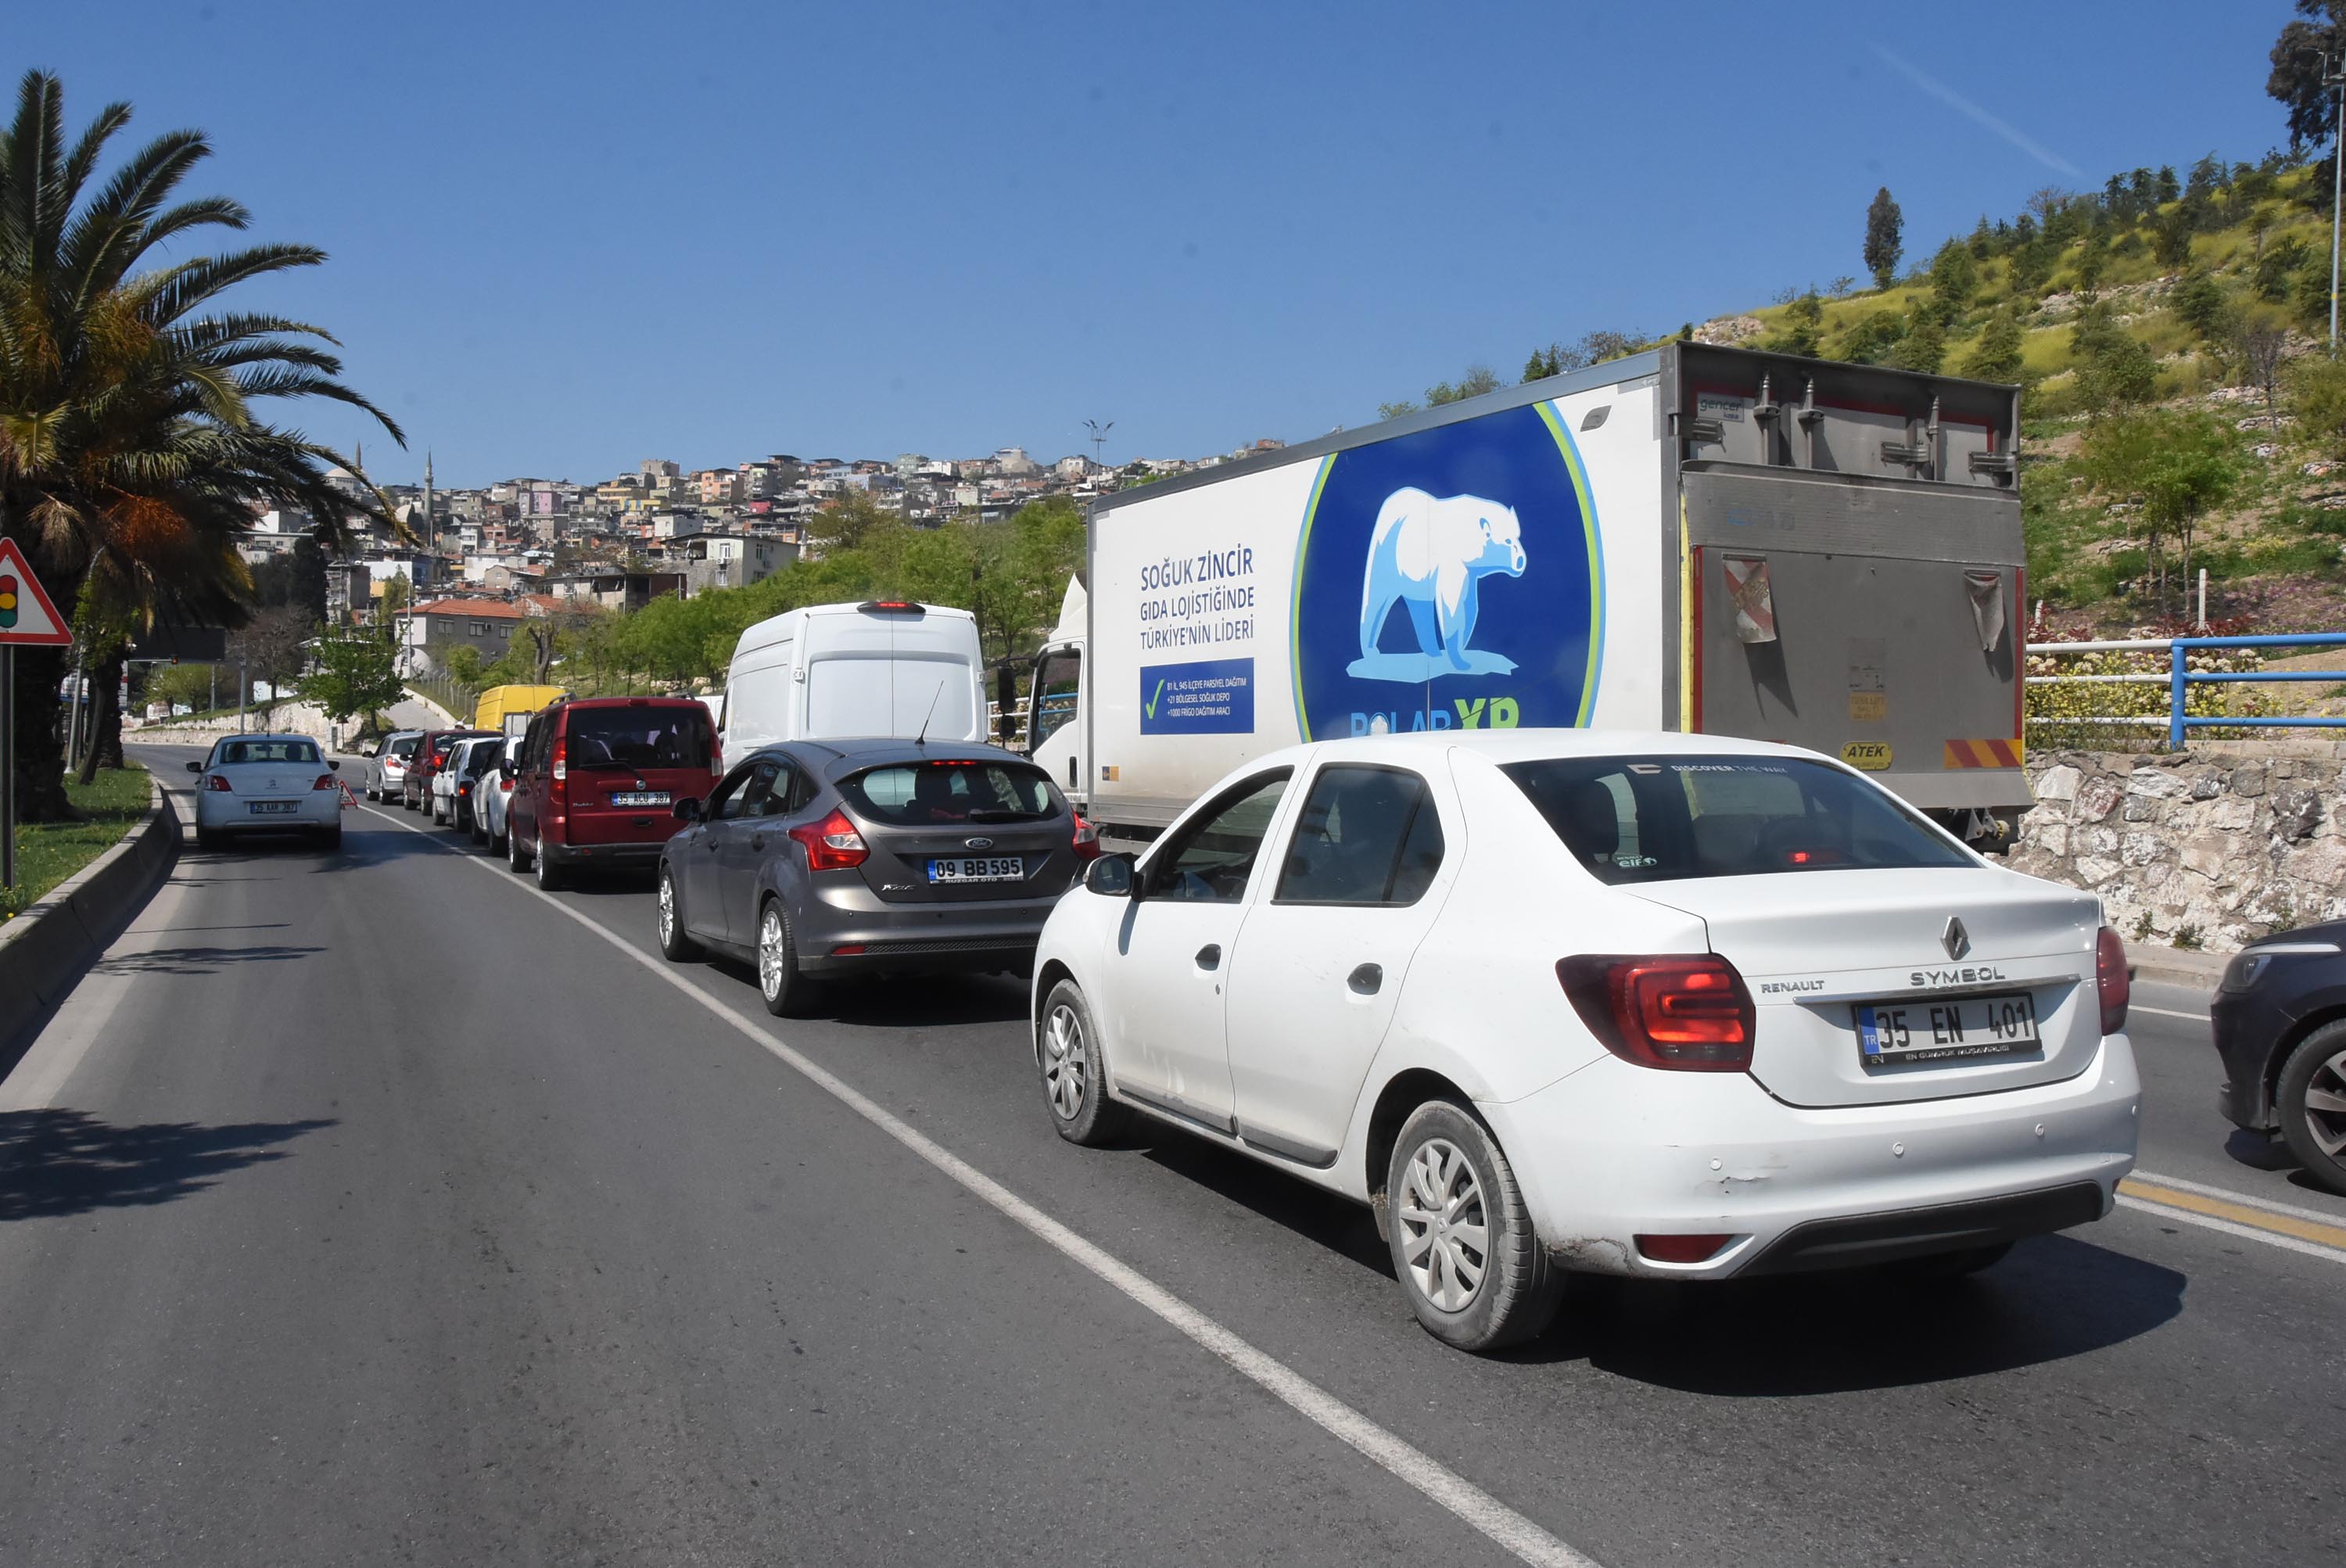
28,616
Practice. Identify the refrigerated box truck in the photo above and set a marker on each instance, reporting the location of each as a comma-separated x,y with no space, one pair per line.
1693,538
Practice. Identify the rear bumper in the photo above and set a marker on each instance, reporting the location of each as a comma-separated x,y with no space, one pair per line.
312,809
1617,1151
588,857
965,938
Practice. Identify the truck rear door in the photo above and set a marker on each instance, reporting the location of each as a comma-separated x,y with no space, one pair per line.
1853,572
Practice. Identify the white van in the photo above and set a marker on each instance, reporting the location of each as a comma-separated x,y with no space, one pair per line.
884,667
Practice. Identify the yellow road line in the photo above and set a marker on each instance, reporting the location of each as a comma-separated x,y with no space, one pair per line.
2237,1213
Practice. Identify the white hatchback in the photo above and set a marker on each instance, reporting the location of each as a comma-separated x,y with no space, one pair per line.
267,783
1669,1006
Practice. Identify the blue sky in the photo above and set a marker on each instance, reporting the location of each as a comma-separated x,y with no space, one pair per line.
568,237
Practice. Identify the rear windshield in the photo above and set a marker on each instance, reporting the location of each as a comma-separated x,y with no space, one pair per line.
1660,818
403,745
266,752
918,794
483,757
666,736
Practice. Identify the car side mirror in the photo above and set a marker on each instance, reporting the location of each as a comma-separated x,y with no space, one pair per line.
1113,876
335,763
195,767
368,751
687,810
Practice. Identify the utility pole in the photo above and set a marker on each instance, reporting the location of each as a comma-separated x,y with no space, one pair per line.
1099,433
2333,75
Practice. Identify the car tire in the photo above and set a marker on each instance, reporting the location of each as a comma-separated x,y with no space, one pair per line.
2311,1098
1072,1074
516,857
330,838
550,879
1445,1166
208,841
779,984
667,919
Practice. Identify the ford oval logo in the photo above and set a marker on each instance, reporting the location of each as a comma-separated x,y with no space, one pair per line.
977,844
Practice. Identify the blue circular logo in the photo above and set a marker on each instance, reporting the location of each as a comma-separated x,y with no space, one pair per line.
1450,580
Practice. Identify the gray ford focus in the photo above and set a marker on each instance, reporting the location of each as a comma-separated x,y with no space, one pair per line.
815,858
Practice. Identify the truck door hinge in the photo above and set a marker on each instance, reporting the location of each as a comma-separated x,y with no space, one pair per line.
1997,463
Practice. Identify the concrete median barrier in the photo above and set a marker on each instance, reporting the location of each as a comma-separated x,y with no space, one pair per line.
44,951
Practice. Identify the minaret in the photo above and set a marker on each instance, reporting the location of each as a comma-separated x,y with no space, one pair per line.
431,523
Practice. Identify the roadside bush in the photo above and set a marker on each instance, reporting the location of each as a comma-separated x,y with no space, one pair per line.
2047,706
2317,386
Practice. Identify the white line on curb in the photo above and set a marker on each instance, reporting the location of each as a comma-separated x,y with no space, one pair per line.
2245,1232
1503,1525
2246,1200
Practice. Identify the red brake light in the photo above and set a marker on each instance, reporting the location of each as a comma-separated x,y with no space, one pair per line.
1688,1013
326,781
560,763
832,844
504,783
2112,979
218,781
1087,846
1681,1249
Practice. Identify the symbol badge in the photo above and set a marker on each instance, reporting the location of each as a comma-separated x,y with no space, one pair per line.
1956,939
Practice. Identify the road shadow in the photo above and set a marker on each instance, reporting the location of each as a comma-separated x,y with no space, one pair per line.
60,1162
898,1001
1335,1223
196,959
2056,1296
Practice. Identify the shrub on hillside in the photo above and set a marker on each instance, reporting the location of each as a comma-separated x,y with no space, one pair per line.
2317,386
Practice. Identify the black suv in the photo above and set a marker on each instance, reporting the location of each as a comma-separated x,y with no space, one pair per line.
2281,1028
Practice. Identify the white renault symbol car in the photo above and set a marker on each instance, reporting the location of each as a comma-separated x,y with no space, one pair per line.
267,783
1662,1004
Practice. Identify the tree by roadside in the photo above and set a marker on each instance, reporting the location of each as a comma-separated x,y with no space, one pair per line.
2172,468
1885,230
357,676
272,649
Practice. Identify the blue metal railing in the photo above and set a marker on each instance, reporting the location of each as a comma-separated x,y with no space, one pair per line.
2177,721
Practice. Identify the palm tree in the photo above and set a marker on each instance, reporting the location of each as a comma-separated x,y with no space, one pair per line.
131,458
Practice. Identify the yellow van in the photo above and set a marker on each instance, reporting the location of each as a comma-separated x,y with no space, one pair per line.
501,702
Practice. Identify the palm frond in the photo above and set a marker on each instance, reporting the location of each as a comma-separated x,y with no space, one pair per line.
178,290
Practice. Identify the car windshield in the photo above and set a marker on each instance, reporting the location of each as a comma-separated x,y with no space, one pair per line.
917,794
236,751
1662,819
669,736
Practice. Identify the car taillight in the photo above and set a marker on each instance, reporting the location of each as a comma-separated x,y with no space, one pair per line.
504,783
832,844
463,787
326,781
2111,979
1086,840
217,781
559,766
1688,1013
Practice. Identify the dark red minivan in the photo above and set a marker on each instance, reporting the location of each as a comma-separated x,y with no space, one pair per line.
598,778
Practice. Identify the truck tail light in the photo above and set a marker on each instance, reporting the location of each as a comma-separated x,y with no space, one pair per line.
1087,846
218,781
326,781
2111,979
832,844
1687,1012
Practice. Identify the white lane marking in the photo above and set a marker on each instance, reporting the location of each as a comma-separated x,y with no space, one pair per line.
2167,1013
2246,1200
1501,1525
2245,1232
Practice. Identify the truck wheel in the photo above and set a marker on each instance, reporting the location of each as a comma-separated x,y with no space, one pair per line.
675,945
2311,1099
1074,1076
1464,1246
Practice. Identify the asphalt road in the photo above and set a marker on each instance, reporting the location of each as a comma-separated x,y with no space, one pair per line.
367,1208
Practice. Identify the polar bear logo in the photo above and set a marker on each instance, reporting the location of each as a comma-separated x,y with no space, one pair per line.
1431,553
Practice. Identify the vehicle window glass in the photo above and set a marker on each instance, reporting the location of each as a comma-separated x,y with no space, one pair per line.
776,802
1212,859
758,795
232,752
725,800
803,791
532,742
1055,683
1662,819
656,734
404,746
919,794
1357,827
483,758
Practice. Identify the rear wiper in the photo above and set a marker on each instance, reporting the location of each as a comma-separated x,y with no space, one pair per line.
1002,814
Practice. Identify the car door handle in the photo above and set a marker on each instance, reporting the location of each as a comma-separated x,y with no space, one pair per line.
1209,956
1366,980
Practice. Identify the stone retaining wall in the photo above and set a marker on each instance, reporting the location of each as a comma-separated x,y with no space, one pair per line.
2208,849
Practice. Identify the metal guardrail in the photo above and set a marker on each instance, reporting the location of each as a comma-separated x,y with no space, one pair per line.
2179,677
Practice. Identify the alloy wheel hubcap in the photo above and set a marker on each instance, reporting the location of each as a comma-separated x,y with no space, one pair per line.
2325,1106
1445,1234
667,907
769,953
1065,1072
